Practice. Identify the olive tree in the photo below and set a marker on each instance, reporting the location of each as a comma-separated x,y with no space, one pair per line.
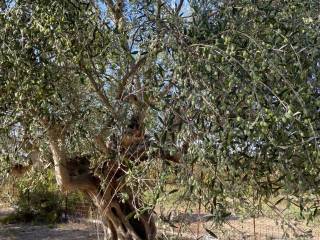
80,83
103,89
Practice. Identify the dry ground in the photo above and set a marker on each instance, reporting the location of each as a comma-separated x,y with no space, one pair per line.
193,228
61,232
74,231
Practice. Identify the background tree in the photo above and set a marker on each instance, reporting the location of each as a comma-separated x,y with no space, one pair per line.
102,89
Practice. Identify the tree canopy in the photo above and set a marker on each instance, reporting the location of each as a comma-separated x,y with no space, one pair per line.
229,88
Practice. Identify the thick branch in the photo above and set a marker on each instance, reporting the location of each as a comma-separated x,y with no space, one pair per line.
99,91
134,69
85,181
179,6
57,146
117,11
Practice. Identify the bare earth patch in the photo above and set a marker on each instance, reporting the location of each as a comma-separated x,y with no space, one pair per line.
193,226
184,226
75,231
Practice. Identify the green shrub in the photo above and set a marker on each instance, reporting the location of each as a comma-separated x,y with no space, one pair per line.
40,206
39,200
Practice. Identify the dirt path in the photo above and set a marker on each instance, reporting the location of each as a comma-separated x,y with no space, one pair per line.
74,231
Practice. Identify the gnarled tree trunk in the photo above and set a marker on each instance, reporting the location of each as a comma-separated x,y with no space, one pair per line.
119,221
117,217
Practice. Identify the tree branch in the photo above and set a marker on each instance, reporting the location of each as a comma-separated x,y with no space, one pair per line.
85,181
117,11
98,89
57,146
134,69
179,6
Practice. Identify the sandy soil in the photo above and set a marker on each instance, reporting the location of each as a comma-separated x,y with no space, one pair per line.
74,231
85,231
194,227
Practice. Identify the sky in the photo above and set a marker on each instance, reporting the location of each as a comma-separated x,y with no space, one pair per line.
186,10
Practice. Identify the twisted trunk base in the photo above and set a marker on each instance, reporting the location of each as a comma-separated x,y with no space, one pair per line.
75,174
120,222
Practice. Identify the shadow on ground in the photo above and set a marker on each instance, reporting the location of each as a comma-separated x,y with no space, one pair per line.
74,231
65,232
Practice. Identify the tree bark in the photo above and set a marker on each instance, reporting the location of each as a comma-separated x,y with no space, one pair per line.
119,220
118,217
